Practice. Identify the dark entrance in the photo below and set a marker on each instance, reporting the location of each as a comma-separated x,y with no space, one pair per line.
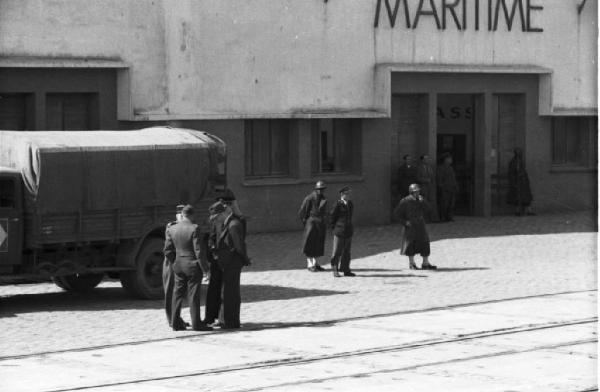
455,128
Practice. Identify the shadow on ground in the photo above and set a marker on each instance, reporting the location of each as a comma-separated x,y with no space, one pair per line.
116,298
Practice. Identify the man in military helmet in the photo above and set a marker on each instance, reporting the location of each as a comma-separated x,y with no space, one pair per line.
168,277
411,212
313,215
184,250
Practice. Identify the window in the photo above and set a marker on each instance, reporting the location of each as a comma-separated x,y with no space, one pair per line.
267,148
71,111
336,146
7,193
575,141
16,111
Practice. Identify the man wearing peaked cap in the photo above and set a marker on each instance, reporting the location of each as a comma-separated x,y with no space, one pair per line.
342,228
168,277
312,214
184,250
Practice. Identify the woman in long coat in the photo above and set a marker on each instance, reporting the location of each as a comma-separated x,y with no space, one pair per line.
414,239
313,214
519,192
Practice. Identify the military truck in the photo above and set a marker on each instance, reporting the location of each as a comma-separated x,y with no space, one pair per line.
78,205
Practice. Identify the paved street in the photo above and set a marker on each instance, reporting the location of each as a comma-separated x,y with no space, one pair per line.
482,261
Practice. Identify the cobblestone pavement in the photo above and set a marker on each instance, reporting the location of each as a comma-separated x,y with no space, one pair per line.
480,259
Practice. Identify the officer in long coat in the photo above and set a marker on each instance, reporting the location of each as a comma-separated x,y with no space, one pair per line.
184,250
447,188
519,192
169,278
414,239
213,293
341,225
313,214
230,254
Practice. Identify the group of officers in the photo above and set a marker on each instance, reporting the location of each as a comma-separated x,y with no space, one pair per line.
411,212
218,255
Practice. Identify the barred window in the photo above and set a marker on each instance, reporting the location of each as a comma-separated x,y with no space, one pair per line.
575,141
267,148
336,146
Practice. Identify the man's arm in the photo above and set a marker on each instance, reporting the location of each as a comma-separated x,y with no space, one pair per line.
335,213
169,248
200,250
303,211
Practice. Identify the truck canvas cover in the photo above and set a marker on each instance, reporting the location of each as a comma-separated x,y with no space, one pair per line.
75,171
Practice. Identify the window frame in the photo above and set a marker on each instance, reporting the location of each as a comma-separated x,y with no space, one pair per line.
353,130
587,129
249,170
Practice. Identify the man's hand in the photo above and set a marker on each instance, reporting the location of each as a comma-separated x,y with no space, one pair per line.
206,277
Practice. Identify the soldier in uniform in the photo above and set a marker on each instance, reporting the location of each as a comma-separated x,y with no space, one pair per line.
407,174
411,212
184,250
229,251
213,294
313,213
168,277
447,189
341,225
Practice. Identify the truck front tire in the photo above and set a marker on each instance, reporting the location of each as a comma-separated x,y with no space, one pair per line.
146,280
78,282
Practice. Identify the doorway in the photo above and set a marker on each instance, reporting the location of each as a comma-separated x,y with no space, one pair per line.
455,134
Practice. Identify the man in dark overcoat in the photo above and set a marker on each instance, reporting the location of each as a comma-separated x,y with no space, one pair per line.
414,239
447,188
313,215
407,174
168,276
230,254
519,192
184,250
213,293
341,225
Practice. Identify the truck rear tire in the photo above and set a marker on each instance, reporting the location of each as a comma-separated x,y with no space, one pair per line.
146,280
78,282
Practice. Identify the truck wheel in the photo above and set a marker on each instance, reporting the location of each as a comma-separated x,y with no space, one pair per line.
78,282
146,280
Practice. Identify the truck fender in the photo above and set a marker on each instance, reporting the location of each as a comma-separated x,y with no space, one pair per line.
128,251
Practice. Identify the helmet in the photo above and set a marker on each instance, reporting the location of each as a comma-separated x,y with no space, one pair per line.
320,185
414,188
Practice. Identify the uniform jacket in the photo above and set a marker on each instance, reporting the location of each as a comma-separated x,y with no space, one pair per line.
313,206
234,240
341,219
406,175
183,243
446,179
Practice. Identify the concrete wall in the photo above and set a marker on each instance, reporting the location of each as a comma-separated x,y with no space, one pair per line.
268,58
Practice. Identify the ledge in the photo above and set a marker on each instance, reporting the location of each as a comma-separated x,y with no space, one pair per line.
572,169
282,181
60,62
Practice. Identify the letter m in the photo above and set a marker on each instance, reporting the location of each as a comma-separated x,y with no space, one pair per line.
392,14
510,17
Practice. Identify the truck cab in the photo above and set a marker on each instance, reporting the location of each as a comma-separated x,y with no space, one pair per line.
11,219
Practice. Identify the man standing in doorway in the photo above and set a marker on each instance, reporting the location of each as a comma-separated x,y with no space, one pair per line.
407,174
341,225
183,248
447,189
313,214
426,181
414,238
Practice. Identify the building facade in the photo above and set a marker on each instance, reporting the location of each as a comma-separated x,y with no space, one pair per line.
325,90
